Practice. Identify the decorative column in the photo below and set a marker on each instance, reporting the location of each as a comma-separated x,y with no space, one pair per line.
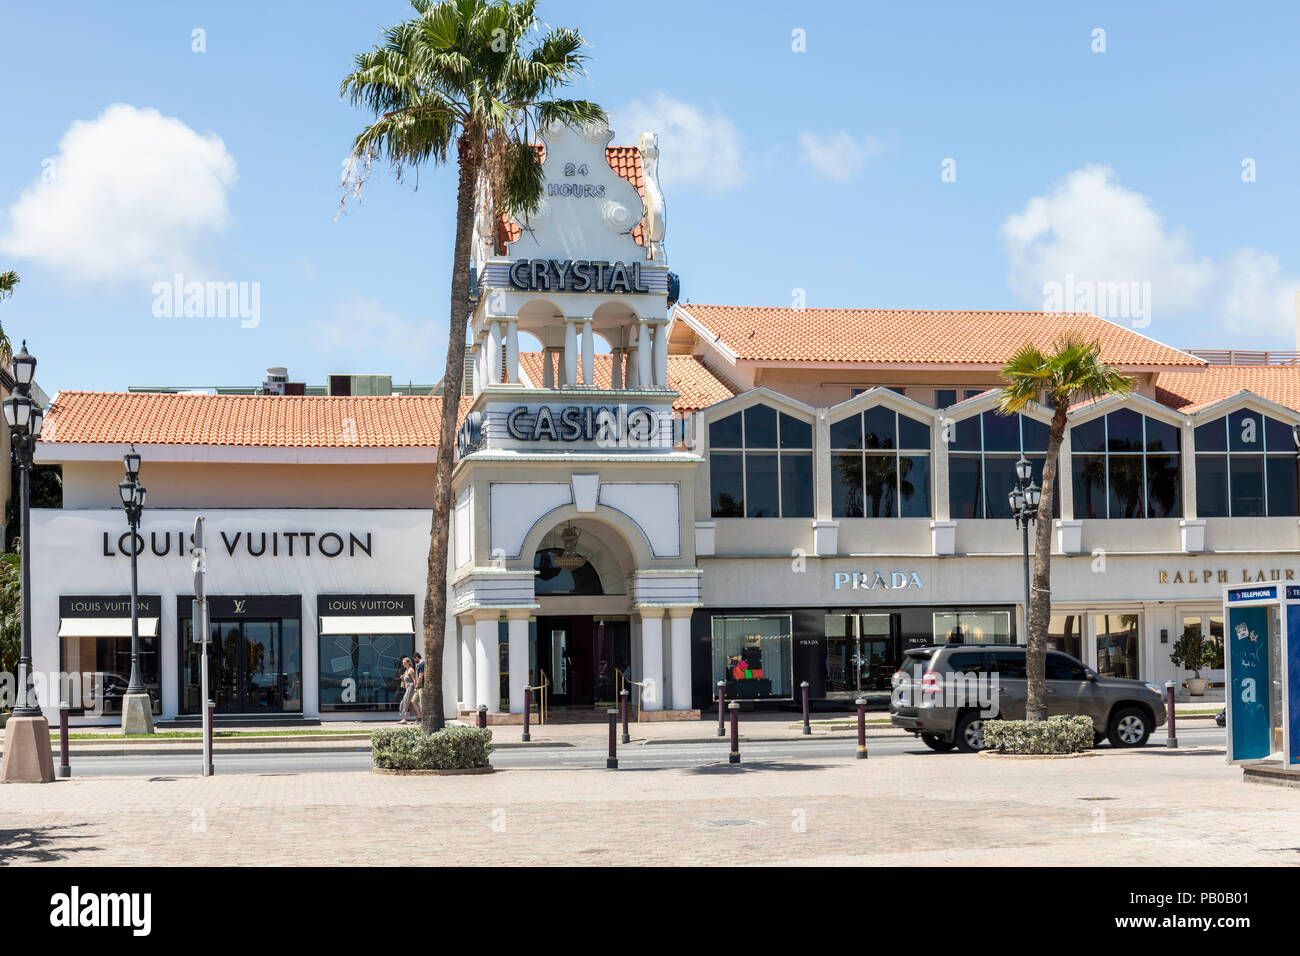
512,351
570,354
661,356
517,622
493,354
680,629
588,354
616,367
652,657
468,685
487,672
643,355
548,367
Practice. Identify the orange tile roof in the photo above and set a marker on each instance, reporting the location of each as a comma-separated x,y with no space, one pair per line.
910,337
625,161
697,386
283,421
1191,391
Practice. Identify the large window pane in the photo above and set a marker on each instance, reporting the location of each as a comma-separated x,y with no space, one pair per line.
727,484
1124,431
846,485
1212,436
1036,475
847,433
879,428
943,397
1065,633
1036,434
912,434
1090,436
725,432
794,433
359,672
973,627
1001,432
1246,485
1163,485
1117,645
796,485
1127,487
965,489
1162,436
1278,436
760,427
752,655
1211,485
1283,499
761,497
964,435
880,479
1245,430
999,478
914,486
1089,475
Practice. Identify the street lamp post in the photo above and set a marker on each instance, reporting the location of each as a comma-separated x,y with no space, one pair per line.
137,707
1024,497
27,756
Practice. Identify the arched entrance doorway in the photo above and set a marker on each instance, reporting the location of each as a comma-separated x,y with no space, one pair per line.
583,636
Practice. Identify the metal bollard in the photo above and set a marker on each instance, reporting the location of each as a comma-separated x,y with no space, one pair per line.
611,763
528,706
65,770
622,702
734,707
862,727
722,700
482,716
212,714
807,727
1171,729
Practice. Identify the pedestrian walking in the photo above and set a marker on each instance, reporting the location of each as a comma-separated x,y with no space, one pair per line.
408,688
419,683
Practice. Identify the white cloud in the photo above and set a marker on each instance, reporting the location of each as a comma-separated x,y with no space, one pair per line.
131,194
362,325
696,148
1090,229
838,156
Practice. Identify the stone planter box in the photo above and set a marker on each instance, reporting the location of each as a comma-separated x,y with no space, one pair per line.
998,756
431,773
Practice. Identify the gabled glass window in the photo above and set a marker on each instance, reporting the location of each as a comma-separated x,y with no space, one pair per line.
1246,467
760,465
1126,465
880,465
982,455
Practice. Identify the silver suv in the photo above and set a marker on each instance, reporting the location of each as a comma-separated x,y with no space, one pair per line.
943,694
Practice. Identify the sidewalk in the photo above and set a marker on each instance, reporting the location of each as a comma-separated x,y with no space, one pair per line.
1141,807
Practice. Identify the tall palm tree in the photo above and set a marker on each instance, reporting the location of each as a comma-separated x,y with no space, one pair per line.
478,77
1071,373
8,280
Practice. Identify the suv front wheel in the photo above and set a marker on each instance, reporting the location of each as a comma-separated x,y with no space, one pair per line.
969,733
937,742
1129,727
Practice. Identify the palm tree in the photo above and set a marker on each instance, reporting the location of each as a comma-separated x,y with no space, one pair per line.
478,77
1072,373
7,282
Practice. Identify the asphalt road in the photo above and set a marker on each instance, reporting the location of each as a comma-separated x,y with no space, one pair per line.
640,757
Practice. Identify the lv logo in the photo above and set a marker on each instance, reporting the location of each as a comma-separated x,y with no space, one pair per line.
239,605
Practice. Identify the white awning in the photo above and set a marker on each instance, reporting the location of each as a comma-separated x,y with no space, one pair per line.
105,627
400,624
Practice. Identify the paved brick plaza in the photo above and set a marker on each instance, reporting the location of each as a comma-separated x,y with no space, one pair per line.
1181,807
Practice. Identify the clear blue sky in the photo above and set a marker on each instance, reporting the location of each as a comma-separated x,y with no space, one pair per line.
817,170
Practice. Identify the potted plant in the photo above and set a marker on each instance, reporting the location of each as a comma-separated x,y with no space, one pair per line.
1190,652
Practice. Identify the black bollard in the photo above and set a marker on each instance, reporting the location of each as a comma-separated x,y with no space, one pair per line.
722,702
622,702
65,770
807,727
611,763
862,728
734,707
482,716
528,706
212,715
1171,728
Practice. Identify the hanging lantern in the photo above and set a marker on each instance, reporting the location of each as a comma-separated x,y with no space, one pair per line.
569,559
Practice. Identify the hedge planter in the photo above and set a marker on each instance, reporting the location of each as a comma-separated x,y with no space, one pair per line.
1050,737
450,749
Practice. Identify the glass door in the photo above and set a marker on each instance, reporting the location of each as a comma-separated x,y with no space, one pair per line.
876,659
254,667
1208,625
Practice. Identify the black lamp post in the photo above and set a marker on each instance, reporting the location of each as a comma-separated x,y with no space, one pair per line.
27,757
1024,497
137,716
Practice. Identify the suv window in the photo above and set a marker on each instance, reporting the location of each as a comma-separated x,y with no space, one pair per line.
1062,667
966,662
1009,665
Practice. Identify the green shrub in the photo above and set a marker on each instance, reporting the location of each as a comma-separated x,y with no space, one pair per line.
1055,735
409,748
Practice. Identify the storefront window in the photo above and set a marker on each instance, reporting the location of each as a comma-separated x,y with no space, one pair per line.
753,656
1065,633
1117,639
362,672
760,465
105,666
1125,465
1246,467
880,466
972,627
982,455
